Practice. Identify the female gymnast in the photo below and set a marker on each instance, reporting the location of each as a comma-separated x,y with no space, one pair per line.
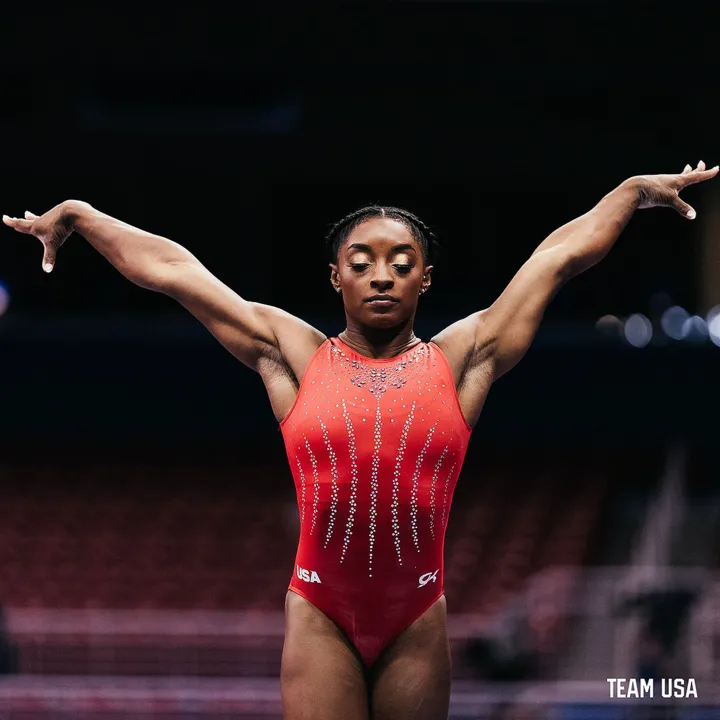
375,422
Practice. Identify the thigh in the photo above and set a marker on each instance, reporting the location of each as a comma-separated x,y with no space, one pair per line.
411,679
322,677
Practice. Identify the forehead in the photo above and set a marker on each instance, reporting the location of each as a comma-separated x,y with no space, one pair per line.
382,234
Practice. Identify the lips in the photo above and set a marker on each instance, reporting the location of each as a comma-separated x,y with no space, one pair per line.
382,298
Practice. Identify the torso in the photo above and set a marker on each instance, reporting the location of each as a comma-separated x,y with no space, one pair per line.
375,447
282,376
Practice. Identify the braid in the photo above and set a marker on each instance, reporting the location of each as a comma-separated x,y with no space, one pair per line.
340,231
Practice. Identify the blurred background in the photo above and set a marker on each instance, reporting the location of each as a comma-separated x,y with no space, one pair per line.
136,580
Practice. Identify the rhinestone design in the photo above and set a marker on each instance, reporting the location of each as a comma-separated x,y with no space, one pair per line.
445,493
334,482
353,481
378,379
415,487
433,489
396,481
316,482
377,442
358,489
302,486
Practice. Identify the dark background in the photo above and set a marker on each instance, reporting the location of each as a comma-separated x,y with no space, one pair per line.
242,131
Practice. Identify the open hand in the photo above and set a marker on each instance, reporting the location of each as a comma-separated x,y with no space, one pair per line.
663,190
52,229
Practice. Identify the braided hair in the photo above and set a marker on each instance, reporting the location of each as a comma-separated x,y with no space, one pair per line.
418,229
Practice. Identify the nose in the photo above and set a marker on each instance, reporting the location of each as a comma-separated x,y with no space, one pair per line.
382,280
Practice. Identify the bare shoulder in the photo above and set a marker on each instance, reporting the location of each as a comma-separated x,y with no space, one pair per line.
459,344
284,363
466,348
296,340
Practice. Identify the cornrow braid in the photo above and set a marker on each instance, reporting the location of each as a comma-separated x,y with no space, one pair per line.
419,230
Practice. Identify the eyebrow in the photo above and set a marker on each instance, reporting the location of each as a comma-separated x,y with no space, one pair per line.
398,248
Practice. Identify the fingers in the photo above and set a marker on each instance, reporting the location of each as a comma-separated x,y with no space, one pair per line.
18,224
25,226
700,174
683,208
686,170
48,259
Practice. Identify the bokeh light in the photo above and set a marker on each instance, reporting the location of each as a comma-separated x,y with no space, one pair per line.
695,328
713,324
610,325
638,330
673,322
4,299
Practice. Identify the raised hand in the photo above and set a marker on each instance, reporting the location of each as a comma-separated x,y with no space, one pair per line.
52,229
664,190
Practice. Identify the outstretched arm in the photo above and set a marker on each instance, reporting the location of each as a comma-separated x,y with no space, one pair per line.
503,333
251,331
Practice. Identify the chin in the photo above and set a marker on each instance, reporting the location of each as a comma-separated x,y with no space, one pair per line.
383,319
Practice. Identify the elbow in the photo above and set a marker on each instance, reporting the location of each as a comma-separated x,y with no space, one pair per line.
565,262
157,276
161,276
169,277
573,262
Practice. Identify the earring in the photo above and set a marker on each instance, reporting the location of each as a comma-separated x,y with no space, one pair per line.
337,289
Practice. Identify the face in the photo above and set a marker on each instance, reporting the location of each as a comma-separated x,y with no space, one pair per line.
380,257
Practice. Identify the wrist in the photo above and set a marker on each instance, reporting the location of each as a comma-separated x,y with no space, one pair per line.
633,187
71,211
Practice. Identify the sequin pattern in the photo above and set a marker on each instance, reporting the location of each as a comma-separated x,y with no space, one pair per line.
445,494
433,489
334,482
316,484
385,441
302,486
396,482
377,442
415,487
353,482
379,436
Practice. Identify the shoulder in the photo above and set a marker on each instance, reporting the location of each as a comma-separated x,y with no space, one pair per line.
459,343
296,341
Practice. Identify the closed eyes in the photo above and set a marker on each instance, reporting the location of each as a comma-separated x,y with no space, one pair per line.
400,268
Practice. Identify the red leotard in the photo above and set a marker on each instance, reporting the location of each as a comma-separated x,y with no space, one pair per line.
375,447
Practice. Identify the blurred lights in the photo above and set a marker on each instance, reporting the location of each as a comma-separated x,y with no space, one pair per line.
673,322
610,325
638,330
695,328
4,299
713,324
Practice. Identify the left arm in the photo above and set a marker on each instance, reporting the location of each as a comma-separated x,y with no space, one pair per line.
503,333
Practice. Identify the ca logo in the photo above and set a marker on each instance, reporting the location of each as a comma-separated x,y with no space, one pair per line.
427,577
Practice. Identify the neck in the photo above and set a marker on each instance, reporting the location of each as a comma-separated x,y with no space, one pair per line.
379,343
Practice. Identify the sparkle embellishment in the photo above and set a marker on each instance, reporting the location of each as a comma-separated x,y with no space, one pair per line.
353,481
334,480
433,489
445,492
316,481
416,486
374,480
302,488
377,379
396,481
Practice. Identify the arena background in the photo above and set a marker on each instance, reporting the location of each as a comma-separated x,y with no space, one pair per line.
136,578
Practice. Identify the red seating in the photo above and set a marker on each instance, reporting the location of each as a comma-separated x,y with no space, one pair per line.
174,535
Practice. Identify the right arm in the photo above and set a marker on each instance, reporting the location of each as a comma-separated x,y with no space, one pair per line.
250,331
